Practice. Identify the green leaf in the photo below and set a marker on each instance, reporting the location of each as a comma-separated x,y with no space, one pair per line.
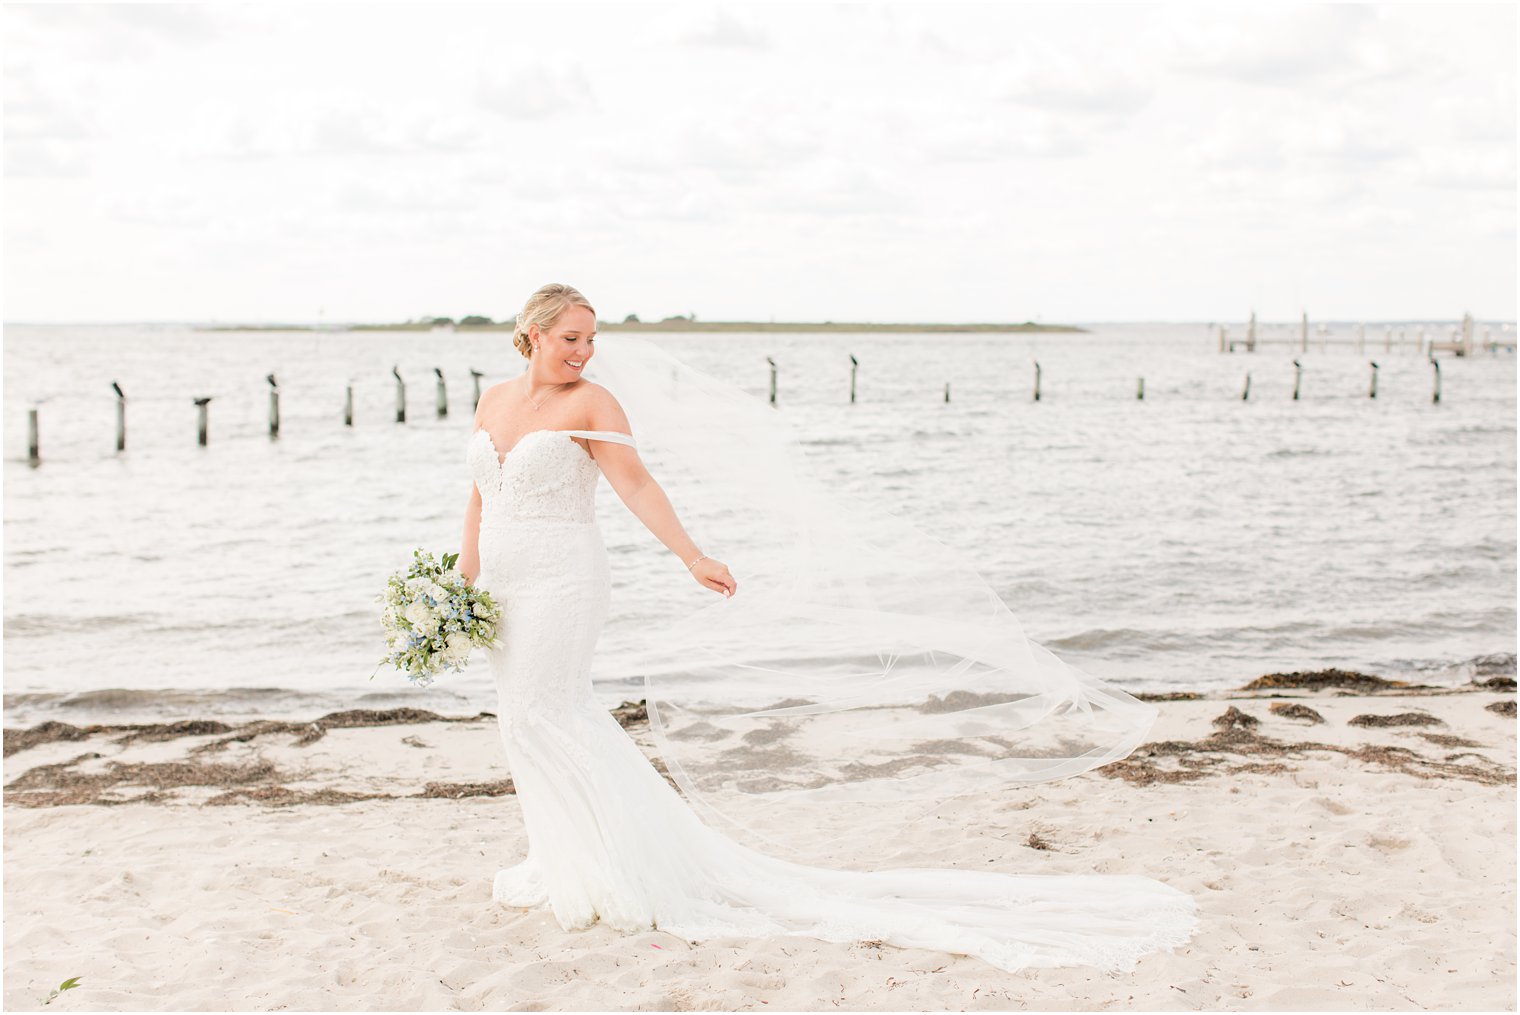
69,984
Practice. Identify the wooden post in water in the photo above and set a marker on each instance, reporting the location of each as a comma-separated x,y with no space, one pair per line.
1298,373
443,395
31,436
200,430
854,364
1224,334
1435,396
947,392
400,394
1303,332
1036,380
1373,392
1140,391
121,417
348,405
475,376
773,378
1251,333
1467,333
274,407
1245,393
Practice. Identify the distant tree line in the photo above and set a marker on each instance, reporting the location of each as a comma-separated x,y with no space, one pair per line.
480,319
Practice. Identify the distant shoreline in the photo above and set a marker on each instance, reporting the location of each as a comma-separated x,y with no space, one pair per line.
679,325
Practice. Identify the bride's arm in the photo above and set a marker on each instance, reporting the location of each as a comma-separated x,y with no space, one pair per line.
637,489
469,543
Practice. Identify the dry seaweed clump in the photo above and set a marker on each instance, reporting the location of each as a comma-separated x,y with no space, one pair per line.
1236,746
460,790
1503,707
1319,679
306,732
1399,719
1293,710
631,713
53,785
1233,718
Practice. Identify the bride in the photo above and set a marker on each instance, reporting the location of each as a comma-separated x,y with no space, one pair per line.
610,839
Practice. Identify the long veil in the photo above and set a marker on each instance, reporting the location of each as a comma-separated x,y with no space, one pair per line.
864,675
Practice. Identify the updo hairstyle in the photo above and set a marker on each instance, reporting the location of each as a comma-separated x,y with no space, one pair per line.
543,309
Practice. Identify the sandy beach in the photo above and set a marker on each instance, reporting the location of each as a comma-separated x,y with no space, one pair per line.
1351,844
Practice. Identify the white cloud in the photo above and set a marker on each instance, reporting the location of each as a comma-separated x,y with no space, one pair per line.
721,28
725,156
536,92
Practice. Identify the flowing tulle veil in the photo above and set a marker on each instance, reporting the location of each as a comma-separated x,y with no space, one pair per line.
864,675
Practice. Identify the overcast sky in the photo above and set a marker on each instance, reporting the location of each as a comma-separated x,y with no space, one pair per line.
887,162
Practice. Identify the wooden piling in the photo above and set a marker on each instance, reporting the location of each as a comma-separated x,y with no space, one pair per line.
854,364
1245,393
1298,373
274,407
947,392
475,376
200,429
121,417
773,378
32,454
443,395
400,394
1303,332
1373,392
1140,390
1036,380
1251,333
348,405
1435,396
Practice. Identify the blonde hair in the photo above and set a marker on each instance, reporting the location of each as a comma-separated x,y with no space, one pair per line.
543,309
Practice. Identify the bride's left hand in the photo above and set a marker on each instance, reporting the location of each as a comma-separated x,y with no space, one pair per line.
714,574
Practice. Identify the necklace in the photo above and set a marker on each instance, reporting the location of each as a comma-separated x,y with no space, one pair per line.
541,401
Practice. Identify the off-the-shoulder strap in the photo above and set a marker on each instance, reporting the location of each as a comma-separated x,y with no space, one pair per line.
604,435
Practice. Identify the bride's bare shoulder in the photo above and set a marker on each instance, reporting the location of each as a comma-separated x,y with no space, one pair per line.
491,397
603,408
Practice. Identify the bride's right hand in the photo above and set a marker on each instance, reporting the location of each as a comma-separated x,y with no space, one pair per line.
714,575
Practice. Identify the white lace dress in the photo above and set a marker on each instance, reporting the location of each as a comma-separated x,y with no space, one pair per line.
610,839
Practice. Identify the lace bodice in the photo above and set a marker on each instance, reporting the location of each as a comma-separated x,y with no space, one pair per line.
546,475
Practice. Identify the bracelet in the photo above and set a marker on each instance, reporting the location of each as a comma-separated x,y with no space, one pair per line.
693,563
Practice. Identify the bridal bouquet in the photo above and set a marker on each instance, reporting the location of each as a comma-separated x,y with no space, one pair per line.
433,618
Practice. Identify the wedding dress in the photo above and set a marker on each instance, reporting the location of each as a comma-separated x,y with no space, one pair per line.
610,839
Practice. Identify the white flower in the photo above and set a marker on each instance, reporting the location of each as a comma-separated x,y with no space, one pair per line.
421,616
458,648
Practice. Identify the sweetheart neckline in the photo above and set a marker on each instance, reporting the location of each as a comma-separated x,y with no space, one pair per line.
501,459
